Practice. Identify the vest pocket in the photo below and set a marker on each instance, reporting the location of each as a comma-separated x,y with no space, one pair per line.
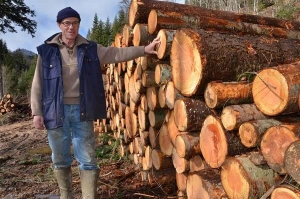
51,68
49,110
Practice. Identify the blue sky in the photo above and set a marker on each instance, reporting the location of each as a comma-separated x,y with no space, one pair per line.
46,12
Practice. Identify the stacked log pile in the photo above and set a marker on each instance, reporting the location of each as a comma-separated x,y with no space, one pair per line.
7,104
216,111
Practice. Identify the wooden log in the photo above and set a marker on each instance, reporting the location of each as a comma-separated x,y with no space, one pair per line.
118,39
208,55
143,119
234,115
275,90
257,158
157,117
144,104
127,34
141,37
163,73
152,98
190,113
251,132
131,122
216,143
171,94
292,160
164,177
180,164
192,18
285,191
160,161
164,48
138,82
148,79
153,137
274,143
219,94
197,164
149,62
162,96
148,157
140,9
172,128
181,180
165,143
205,184
242,179
187,145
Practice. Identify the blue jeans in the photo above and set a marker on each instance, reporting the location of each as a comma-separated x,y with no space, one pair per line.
81,133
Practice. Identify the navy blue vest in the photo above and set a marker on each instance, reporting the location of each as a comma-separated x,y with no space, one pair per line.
92,95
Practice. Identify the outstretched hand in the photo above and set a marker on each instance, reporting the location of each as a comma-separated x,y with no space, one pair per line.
150,49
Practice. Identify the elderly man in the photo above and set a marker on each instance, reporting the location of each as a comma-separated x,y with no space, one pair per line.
67,94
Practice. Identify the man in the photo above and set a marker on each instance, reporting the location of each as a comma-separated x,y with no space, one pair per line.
67,94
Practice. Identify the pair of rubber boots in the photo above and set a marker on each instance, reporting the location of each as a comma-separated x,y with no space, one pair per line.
88,180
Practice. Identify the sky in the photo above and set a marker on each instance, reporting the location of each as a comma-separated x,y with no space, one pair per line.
46,12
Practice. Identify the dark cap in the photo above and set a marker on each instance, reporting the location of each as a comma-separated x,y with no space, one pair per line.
67,12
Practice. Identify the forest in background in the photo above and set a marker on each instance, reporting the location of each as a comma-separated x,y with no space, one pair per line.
17,67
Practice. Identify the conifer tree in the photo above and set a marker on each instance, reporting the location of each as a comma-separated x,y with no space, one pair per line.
18,13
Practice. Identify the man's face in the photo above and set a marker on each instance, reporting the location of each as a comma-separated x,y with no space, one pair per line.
69,28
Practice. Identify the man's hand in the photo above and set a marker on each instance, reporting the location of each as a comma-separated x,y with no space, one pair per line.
150,49
38,122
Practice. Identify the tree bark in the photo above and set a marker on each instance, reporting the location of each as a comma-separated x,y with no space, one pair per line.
203,54
275,90
218,94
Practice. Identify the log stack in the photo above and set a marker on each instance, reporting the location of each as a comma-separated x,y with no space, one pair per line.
216,111
7,104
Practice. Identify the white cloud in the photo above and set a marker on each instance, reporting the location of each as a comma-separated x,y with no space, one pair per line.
46,12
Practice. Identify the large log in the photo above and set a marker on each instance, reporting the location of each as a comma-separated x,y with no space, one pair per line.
275,90
251,132
165,143
234,115
286,191
164,48
197,57
218,94
160,161
292,161
187,145
274,143
190,113
216,143
140,9
205,184
192,18
242,179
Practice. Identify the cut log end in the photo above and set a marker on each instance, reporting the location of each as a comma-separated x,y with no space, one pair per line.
273,145
161,48
180,113
152,21
234,179
248,135
186,62
211,98
133,9
228,118
213,142
270,92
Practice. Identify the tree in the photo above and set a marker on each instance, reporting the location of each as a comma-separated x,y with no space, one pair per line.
3,52
17,12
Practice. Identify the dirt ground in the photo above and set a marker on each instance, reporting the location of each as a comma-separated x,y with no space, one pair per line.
26,169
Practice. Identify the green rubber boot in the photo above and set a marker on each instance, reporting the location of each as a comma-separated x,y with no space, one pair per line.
89,179
64,180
